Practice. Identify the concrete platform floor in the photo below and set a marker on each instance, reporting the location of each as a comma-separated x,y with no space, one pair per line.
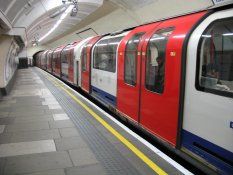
37,136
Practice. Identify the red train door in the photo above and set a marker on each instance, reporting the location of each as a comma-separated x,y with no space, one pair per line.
57,58
86,64
71,60
128,82
71,66
161,67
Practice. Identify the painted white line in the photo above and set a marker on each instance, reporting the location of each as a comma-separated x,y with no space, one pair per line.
23,148
50,103
60,117
56,106
149,145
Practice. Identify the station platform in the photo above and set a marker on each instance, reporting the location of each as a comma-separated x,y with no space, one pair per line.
48,129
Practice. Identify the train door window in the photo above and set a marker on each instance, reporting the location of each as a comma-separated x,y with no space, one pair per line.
215,59
131,59
84,59
53,61
64,62
155,60
71,58
105,54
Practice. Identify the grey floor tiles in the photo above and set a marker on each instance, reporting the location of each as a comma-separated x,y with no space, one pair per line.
95,169
3,114
27,113
32,116
39,118
83,156
49,172
5,138
68,143
29,126
34,135
7,121
69,132
61,124
37,162
25,108
2,127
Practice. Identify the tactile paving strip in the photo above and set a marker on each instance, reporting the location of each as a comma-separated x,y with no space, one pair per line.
106,154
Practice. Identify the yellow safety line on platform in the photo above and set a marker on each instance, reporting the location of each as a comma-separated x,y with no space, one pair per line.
142,156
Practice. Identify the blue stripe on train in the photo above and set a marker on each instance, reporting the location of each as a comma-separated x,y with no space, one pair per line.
104,96
219,157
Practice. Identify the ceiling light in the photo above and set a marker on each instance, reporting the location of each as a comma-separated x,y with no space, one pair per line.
64,1
74,11
57,13
57,23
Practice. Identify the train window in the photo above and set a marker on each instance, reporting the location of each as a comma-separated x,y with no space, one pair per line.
64,56
105,54
215,59
131,59
84,59
155,60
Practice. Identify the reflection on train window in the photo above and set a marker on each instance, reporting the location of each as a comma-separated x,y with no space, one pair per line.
216,57
105,54
131,59
155,60
84,59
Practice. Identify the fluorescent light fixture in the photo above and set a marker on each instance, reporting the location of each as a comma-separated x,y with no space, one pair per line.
206,36
228,34
68,10
63,16
179,36
157,38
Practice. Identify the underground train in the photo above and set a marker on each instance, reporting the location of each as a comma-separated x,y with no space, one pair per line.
172,78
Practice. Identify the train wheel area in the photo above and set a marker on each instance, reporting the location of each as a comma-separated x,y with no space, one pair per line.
48,128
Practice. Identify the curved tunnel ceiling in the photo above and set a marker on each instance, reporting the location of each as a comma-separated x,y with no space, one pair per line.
39,16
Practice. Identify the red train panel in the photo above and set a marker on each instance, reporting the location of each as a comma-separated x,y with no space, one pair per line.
128,92
71,62
67,62
49,60
56,61
86,63
153,99
159,109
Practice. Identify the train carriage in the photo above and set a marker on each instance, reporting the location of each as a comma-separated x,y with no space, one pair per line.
172,78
